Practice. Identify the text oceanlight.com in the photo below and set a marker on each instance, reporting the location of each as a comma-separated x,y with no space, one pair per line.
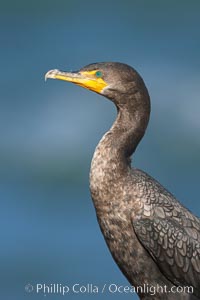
112,288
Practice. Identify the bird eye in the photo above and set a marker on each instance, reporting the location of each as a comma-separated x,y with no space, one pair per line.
98,74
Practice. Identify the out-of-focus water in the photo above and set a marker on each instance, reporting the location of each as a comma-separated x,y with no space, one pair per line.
49,232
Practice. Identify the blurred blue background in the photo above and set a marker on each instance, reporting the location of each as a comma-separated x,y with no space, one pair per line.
49,232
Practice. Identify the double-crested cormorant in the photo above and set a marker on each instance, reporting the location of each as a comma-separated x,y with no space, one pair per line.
153,238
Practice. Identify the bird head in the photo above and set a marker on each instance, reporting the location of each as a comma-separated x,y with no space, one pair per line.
110,79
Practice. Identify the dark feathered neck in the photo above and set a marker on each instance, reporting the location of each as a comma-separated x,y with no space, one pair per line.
111,159
130,124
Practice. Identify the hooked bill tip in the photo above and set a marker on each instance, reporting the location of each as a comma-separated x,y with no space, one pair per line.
51,74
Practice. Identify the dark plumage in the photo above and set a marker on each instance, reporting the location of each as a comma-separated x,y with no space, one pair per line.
153,238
